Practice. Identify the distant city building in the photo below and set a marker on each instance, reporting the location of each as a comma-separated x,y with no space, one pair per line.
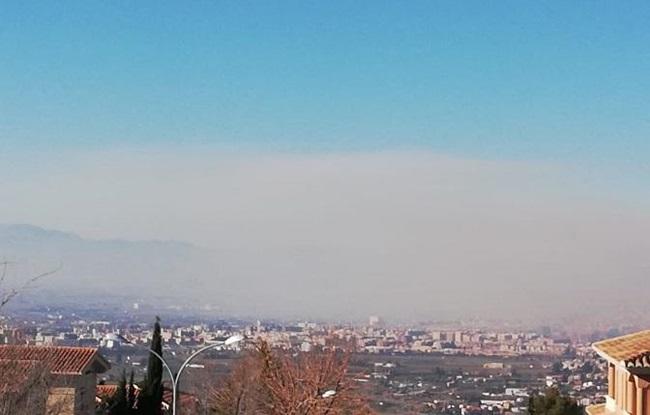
375,321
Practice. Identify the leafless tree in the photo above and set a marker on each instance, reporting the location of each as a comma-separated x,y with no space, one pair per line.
8,293
238,393
28,388
272,382
25,385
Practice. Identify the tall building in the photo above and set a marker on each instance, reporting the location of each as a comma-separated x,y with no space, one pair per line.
375,321
628,375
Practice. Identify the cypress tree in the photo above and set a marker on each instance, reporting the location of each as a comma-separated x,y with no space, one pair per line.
118,404
152,392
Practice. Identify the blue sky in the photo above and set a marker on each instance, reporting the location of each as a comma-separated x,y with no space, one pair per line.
465,144
561,80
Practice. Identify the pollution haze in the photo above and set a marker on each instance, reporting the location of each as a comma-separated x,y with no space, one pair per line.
404,234
334,160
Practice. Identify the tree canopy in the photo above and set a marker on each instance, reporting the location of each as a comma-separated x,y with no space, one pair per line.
552,402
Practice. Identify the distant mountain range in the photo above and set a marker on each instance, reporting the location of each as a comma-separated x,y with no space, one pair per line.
99,267
34,237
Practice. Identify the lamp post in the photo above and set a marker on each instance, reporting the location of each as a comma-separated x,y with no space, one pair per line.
328,394
175,379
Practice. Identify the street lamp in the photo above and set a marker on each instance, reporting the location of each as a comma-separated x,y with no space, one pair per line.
328,394
175,379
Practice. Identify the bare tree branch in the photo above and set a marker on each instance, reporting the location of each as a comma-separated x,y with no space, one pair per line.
7,296
3,275
274,382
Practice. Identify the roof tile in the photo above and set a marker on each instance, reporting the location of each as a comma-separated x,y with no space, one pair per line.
625,348
58,360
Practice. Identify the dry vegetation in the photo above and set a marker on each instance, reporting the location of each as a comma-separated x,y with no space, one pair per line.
8,293
27,388
272,382
24,385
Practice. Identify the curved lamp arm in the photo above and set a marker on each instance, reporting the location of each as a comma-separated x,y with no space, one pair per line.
169,370
229,341
153,352
192,356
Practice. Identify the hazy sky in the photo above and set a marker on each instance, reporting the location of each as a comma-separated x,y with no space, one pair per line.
424,155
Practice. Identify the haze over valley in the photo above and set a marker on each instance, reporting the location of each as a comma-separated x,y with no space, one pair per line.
412,235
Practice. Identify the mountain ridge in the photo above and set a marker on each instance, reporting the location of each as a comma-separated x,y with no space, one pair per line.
96,266
25,229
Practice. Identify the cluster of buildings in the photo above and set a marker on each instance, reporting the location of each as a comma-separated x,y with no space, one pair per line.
441,371
468,342
465,384
371,338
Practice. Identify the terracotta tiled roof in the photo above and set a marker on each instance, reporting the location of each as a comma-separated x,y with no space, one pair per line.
184,398
58,360
106,391
628,349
